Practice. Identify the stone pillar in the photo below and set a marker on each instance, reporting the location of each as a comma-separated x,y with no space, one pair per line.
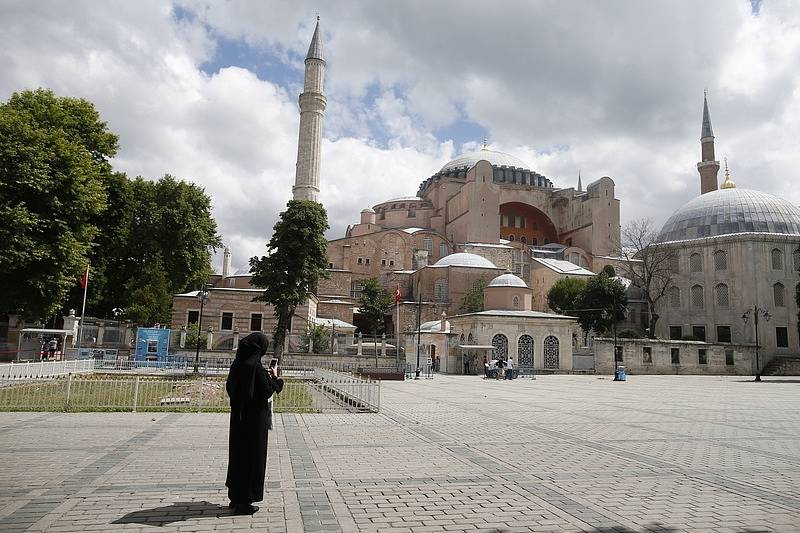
383,345
182,342
209,338
360,348
235,339
101,331
310,343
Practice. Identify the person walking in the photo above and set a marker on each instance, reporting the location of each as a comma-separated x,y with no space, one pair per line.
510,368
52,346
249,387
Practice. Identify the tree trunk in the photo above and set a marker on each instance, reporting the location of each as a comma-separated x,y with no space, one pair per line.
653,320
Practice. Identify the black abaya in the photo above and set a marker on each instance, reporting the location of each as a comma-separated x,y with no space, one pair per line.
249,386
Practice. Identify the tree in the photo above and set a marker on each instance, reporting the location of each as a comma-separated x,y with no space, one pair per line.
472,301
565,295
297,260
373,303
648,264
609,271
602,304
54,157
149,299
319,336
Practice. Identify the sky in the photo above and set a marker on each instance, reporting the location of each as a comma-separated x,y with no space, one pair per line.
207,91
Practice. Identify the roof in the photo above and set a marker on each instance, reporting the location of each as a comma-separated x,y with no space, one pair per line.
46,330
315,49
564,267
402,199
521,314
507,280
434,326
464,260
731,211
332,322
498,159
489,245
413,230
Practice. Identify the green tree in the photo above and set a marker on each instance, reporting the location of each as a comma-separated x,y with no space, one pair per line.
373,303
602,304
150,299
54,157
320,338
297,260
472,301
609,271
565,295
192,333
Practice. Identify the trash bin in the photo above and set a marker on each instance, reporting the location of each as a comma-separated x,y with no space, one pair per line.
619,374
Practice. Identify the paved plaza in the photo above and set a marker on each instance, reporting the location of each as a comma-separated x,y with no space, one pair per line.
561,453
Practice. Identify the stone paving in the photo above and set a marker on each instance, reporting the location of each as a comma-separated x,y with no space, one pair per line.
561,453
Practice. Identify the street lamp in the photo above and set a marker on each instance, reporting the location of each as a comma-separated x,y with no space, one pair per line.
202,295
755,312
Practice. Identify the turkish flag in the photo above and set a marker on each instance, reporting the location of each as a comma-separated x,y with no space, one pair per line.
85,278
397,295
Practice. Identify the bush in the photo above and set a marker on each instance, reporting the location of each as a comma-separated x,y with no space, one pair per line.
629,334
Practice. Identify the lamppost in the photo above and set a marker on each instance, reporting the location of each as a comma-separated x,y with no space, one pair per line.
755,312
202,295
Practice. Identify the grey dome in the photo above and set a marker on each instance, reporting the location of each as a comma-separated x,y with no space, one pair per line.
730,211
464,260
507,280
497,159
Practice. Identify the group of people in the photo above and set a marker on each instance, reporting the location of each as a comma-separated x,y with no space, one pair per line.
498,368
49,349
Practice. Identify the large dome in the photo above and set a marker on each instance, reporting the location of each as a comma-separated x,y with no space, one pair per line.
464,260
498,159
507,280
729,211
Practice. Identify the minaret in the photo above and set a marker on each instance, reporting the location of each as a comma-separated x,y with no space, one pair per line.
708,167
312,109
580,187
226,262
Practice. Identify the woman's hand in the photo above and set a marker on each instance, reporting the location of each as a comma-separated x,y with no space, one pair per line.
273,371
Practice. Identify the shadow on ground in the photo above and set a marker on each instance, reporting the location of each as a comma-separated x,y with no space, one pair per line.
177,512
771,380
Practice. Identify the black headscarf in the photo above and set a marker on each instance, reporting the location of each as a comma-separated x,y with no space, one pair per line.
242,375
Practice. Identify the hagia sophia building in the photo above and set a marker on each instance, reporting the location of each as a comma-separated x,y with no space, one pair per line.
487,215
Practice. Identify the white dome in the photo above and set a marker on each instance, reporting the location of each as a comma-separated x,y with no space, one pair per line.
507,280
497,159
464,260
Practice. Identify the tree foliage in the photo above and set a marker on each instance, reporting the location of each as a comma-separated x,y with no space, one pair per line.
472,301
648,264
373,304
149,296
602,304
297,260
319,337
54,158
565,295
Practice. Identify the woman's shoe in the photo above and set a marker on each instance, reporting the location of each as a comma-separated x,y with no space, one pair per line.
245,509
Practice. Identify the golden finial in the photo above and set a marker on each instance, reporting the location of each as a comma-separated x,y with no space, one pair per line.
728,183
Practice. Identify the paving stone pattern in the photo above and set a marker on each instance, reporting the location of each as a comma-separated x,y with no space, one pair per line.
559,453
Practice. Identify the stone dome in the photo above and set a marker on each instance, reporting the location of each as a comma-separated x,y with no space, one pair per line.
497,159
730,211
507,280
464,260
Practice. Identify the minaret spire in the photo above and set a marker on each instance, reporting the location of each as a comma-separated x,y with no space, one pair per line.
708,167
312,111
580,187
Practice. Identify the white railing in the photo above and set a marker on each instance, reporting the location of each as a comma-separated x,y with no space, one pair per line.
45,369
359,393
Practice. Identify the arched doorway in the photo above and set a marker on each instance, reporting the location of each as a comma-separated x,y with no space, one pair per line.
551,354
527,224
500,343
525,351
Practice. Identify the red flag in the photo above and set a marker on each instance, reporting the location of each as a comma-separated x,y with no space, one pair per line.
397,294
85,278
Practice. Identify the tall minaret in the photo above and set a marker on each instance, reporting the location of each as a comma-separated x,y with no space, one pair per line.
312,109
708,167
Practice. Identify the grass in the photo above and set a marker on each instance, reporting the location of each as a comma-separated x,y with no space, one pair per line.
106,392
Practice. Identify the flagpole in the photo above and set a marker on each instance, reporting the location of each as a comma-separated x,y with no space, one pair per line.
83,311
397,340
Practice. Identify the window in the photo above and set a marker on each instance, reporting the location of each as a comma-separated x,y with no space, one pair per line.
782,337
515,302
226,324
360,260
366,260
442,250
699,333
702,356
675,333
796,260
231,282
152,346
674,263
675,297
521,221
440,290
729,357
697,297
255,322
330,265
383,262
523,239
723,334
356,288
511,238
192,317
675,355
721,294
777,259
720,260
778,293
391,262
427,244
695,263
647,355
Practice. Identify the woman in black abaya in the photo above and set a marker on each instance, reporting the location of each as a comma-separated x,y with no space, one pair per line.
249,387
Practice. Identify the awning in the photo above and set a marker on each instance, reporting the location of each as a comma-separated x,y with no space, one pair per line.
47,331
476,346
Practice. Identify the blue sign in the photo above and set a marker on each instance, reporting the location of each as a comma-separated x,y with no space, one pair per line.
152,344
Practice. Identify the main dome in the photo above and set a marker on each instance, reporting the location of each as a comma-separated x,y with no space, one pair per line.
729,211
497,159
464,260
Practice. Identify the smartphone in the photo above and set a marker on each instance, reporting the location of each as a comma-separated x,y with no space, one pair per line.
273,363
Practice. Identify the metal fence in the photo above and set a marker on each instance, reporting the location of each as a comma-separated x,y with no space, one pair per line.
44,369
361,394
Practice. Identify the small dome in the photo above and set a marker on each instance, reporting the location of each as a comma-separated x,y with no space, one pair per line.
497,159
368,210
464,260
729,211
507,280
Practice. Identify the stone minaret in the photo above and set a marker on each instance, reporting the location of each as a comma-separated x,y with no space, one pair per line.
708,167
312,109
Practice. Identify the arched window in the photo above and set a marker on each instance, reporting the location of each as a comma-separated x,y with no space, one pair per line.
551,352
511,238
525,351
721,295
796,260
461,339
695,263
779,293
471,339
777,259
675,297
720,260
440,290
697,297
500,343
515,302
674,263
523,239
